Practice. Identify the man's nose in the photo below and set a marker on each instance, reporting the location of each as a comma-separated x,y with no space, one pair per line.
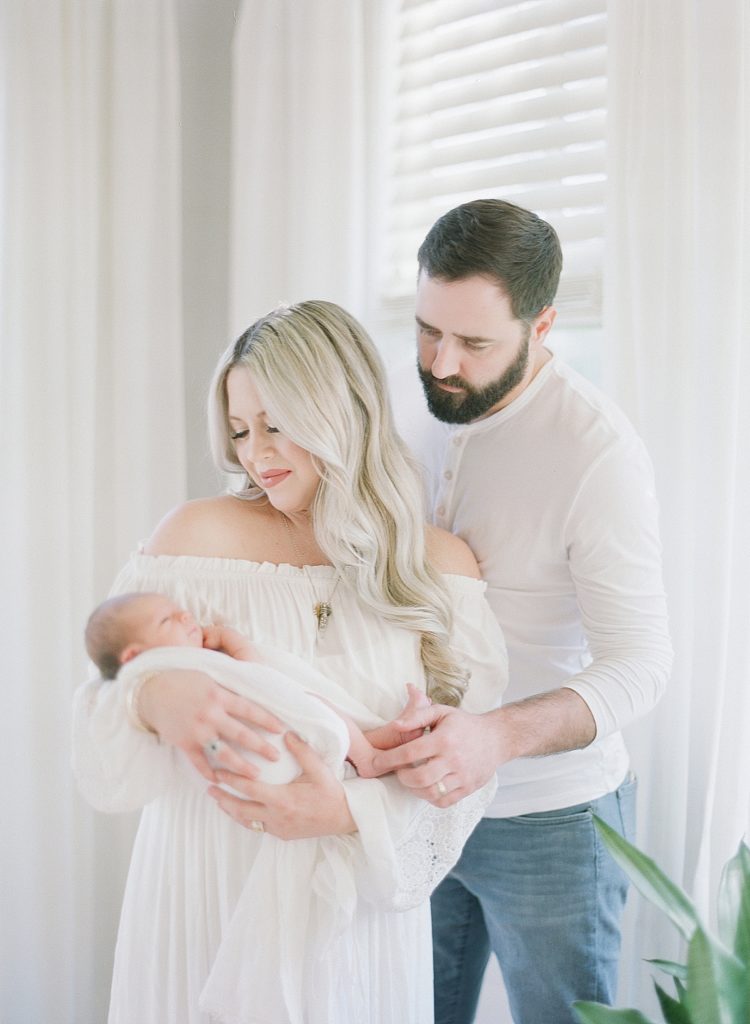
447,361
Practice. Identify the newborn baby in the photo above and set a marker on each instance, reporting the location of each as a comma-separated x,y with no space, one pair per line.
123,627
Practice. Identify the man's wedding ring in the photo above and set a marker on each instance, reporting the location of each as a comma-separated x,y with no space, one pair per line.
440,787
257,826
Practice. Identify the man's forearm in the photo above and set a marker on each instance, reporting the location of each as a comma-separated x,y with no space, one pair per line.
548,723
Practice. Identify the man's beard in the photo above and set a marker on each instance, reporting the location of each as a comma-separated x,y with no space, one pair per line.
472,403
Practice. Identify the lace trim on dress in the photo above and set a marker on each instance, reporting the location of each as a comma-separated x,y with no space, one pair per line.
433,845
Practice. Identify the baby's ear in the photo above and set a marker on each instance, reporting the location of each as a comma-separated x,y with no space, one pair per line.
130,652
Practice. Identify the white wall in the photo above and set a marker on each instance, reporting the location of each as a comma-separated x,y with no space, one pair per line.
205,64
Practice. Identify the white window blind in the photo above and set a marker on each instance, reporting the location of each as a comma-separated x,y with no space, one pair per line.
500,99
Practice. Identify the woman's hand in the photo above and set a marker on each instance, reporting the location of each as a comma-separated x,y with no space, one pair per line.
313,805
190,711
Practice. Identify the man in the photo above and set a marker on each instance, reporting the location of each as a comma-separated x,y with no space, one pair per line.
552,489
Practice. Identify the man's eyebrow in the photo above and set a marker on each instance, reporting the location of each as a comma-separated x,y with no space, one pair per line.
475,339
471,339
427,327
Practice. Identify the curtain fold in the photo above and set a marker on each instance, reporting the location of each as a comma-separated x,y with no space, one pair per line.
677,306
303,106
92,420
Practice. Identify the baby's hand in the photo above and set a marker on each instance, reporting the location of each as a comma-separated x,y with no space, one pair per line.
228,640
213,637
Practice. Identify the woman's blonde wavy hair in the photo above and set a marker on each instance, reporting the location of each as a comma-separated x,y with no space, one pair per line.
323,385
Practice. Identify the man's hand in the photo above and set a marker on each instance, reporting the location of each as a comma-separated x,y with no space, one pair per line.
457,756
392,734
461,751
314,804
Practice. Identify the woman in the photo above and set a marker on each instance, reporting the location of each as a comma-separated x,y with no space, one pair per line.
325,554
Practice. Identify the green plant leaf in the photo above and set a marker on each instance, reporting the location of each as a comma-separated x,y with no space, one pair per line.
734,904
717,987
597,1013
650,880
670,967
674,1011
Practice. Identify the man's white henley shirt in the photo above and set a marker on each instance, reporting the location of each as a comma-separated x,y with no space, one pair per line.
554,494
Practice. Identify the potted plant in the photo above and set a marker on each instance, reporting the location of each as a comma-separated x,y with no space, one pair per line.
713,986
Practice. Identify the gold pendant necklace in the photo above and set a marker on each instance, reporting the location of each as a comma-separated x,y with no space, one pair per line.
323,610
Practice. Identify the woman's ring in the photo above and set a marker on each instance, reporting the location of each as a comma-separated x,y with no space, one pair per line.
440,787
257,826
212,749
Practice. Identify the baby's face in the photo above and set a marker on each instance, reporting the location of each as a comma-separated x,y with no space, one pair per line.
159,622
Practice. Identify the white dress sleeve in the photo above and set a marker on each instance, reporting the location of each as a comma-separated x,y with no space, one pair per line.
407,845
117,767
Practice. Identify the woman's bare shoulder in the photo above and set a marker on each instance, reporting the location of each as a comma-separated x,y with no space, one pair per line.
222,527
449,554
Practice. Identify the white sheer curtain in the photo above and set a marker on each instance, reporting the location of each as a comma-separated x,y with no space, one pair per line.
678,320
306,114
92,443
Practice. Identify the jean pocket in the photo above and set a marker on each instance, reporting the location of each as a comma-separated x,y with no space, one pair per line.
626,804
560,816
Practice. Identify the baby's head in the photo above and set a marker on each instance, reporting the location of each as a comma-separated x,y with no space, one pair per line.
124,626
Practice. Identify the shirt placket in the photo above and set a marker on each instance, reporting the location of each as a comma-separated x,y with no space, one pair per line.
446,485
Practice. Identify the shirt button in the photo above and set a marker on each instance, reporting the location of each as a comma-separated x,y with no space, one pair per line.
448,474
457,441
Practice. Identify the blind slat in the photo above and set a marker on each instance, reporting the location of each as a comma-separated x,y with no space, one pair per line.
501,111
421,18
500,99
550,197
456,62
531,167
554,72
545,135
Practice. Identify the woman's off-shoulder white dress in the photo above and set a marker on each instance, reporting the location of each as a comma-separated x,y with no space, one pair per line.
216,924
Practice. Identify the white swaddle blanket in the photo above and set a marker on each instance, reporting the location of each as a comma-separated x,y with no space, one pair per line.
279,682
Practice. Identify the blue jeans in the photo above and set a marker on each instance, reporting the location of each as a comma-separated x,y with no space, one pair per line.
543,894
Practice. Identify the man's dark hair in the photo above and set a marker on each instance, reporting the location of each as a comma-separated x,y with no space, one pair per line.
501,241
